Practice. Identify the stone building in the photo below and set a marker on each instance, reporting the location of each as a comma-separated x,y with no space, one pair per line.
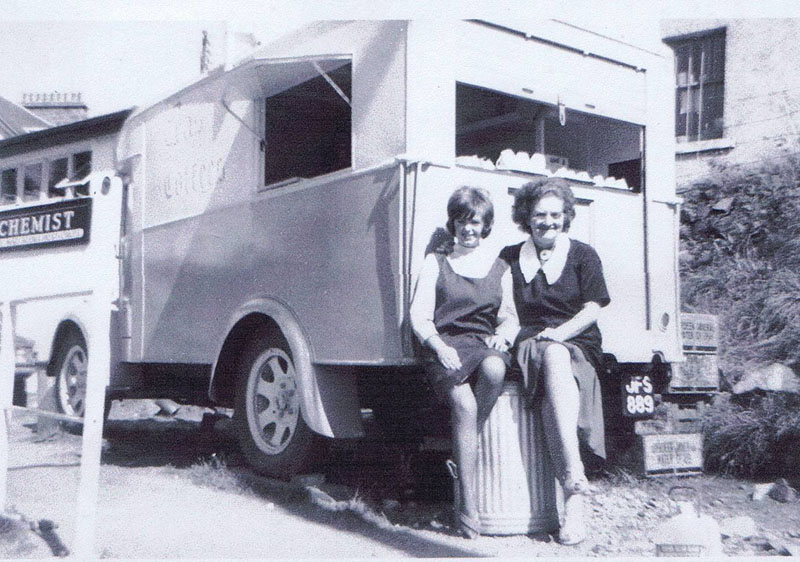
737,91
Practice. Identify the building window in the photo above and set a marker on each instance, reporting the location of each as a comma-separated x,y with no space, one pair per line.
699,85
81,167
8,186
32,183
308,128
58,171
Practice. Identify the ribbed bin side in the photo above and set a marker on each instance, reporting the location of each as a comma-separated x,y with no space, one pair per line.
516,484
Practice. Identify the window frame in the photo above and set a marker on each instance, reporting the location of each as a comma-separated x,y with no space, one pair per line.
25,167
16,199
46,162
697,87
337,63
538,141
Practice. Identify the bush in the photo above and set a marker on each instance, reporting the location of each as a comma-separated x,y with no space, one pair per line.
740,260
756,435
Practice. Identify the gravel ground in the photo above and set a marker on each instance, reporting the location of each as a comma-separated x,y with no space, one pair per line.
171,489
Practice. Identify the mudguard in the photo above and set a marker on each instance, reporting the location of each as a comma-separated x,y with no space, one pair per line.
328,400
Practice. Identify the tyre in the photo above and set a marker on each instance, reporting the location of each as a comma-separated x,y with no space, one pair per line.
70,369
70,366
272,434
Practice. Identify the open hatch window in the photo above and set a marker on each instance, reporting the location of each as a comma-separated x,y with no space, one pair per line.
308,127
499,131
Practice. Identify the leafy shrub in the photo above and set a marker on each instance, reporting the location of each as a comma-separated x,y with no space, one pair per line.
740,260
753,436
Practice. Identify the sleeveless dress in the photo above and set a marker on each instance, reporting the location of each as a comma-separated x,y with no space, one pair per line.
465,314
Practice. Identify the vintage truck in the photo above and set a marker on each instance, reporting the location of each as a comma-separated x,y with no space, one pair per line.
256,244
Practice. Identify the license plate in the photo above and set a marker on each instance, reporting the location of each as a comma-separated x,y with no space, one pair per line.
637,396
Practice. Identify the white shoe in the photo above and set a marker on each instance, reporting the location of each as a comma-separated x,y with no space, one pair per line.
576,488
573,531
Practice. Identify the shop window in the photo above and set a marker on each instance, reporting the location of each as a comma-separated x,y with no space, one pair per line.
81,167
8,186
32,182
58,171
586,148
699,85
308,128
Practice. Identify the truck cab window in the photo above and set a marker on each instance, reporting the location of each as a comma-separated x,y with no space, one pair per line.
586,147
308,129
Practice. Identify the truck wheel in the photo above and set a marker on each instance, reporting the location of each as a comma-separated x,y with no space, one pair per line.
271,431
70,368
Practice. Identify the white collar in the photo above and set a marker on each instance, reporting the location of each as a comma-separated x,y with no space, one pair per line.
529,262
475,263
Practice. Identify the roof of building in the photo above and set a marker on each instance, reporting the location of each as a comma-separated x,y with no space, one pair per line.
58,108
16,120
64,134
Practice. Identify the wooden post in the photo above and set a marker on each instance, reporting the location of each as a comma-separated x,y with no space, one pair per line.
3,460
99,360
7,365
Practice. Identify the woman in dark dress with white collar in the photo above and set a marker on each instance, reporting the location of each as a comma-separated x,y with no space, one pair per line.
558,292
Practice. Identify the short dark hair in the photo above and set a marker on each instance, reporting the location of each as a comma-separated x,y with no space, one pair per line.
529,195
465,203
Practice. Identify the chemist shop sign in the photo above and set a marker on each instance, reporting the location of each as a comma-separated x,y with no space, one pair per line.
56,224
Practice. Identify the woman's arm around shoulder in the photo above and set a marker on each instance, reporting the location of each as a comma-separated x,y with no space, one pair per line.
510,254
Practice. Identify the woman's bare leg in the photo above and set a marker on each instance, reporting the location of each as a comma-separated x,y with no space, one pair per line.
489,386
463,415
560,416
560,410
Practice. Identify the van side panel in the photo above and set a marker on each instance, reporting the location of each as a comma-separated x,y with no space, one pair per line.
329,249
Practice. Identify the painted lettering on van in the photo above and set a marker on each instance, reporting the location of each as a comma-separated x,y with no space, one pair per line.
198,177
182,160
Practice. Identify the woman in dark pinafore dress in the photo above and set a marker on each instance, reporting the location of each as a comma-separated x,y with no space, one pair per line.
463,313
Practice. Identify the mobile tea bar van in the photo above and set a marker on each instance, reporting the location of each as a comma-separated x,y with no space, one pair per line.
255,247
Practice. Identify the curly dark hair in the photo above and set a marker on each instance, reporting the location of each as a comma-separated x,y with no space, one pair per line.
529,195
467,202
